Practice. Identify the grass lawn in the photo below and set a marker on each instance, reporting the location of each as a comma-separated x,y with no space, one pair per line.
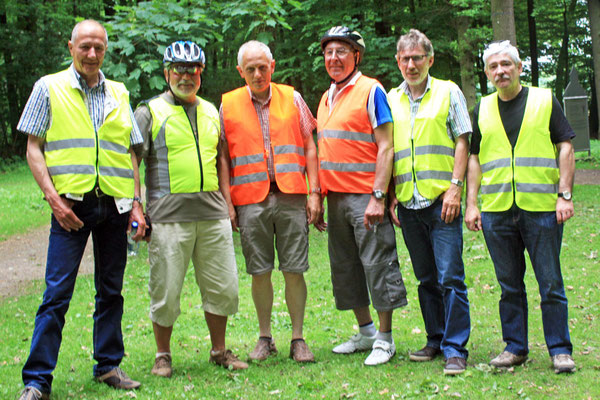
332,376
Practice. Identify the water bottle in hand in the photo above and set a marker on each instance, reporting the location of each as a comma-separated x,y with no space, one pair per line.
132,245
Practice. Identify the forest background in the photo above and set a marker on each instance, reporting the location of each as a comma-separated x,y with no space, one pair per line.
552,35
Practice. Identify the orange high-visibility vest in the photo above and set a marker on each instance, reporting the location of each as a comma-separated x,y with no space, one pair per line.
249,174
347,147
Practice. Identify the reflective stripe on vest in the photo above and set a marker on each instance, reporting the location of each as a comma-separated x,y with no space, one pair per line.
183,164
427,150
249,174
531,168
77,156
347,147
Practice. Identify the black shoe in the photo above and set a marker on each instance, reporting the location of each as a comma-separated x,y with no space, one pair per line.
455,366
427,353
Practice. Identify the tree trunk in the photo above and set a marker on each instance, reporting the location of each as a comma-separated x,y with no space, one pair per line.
503,20
562,65
482,77
466,61
533,49
594,17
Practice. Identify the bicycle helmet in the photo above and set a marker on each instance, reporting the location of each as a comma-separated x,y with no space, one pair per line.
344,34
184,52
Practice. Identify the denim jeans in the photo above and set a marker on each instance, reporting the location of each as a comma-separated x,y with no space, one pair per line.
507,235
65,250
435,249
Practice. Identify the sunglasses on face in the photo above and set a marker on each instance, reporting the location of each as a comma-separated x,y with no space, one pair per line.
186,69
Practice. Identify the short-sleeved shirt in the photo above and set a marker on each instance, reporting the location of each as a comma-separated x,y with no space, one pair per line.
37,116
378,107
307,123
176,207
458,123
511,114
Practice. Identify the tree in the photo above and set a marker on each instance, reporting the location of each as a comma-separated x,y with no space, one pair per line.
503,20
594,18
533,49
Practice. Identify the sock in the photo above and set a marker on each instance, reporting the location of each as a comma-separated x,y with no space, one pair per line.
166,353
386,336
368,329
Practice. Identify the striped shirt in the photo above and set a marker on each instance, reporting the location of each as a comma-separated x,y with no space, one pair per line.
457,124
37,116
307,123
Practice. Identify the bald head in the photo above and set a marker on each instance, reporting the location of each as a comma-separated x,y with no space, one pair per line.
86,23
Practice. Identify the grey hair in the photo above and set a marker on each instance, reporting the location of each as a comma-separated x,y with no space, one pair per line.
253,45
412,39
75,31
503,46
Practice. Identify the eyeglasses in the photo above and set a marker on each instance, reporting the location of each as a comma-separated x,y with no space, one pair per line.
186,69
406,59
341,52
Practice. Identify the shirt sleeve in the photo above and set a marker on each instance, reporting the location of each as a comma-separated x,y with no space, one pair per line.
308,123
560,129
36,117
143,120
135,136
222,124
459,121
476,136
378,106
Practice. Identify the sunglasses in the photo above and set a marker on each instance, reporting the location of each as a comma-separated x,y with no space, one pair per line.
186,69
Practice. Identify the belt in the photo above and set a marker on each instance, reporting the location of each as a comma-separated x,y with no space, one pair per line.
273,188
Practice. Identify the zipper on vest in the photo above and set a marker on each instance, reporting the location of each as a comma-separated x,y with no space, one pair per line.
514,183
195,134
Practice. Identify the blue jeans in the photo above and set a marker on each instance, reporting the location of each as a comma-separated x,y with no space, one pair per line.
65,250
507,235
435,249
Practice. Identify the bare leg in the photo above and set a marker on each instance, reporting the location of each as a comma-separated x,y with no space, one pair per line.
162,335
295,297
363,315
217,324
385,321
262,294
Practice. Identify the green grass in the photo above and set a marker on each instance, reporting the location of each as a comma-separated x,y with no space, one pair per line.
332,376
585,161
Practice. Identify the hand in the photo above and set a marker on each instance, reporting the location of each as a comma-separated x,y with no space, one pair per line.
374,213
451,203
62,210
233,219
137,214
313,208
564,210
473,218
392,210
320,223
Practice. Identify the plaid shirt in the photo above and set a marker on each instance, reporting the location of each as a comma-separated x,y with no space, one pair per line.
457,124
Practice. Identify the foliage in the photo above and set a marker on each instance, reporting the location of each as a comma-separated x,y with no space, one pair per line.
332,376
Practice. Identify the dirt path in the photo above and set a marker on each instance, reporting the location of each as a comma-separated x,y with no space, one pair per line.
23,257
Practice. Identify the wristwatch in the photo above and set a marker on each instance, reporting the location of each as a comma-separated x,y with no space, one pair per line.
136,198
316,190
378,194
457,182
565,195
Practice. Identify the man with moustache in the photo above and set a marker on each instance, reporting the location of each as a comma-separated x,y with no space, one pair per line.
431,139
268,151
188,213
355,165
522,159
81,130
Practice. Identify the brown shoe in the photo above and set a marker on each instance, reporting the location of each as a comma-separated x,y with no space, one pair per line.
31,393
162,366
300,352
427,353
455,366
226,359
118,379
264,348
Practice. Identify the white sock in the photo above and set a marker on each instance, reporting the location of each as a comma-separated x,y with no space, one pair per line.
166,353
386,336
368,330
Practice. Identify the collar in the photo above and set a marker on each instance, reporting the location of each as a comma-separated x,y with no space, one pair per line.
77,82
406,90
256,99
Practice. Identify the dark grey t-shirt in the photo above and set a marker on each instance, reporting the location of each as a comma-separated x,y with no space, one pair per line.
175,207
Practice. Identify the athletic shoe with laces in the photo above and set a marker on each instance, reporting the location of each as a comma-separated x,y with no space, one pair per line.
563,363
162,366
382,352
358,342
31,393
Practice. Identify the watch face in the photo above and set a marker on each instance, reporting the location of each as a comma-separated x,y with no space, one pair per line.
566,195
378,194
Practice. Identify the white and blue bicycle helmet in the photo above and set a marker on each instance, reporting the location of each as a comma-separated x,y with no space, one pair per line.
184,52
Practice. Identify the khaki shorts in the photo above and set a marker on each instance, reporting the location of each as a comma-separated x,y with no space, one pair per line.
362,261
280,217
209,244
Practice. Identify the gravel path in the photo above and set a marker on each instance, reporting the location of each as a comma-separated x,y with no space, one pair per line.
23,257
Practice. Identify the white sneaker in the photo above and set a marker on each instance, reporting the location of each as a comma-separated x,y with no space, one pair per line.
356,343
382,352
